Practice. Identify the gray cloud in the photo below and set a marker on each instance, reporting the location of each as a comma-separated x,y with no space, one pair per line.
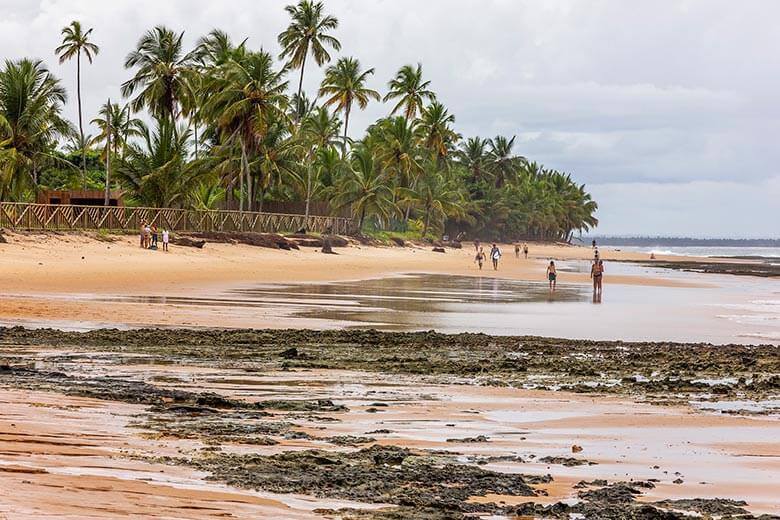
667,110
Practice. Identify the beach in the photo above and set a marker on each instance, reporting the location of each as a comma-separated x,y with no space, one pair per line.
161,407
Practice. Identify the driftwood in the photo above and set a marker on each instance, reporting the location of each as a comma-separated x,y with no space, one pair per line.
269,240
188,242
439,250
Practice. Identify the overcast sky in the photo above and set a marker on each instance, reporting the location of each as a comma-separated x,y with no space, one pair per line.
667,110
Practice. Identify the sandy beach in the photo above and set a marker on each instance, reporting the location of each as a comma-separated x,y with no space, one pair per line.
186,424
49,277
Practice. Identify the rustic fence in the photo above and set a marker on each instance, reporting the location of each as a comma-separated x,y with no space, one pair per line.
65,217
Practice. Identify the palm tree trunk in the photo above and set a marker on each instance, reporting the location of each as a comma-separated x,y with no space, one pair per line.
300,86
81,124
362,218
106,198
241,177
346,125
427,221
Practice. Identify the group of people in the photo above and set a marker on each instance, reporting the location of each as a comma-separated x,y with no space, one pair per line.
495,254
596,269
150,237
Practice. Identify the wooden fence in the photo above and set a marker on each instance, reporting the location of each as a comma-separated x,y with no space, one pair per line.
65,217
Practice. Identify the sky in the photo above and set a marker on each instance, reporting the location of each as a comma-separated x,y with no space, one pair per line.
666,109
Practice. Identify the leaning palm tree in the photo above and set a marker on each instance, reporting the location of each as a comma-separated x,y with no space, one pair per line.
75,41
436,197
160,80
345,84
411,91
31,123
307,33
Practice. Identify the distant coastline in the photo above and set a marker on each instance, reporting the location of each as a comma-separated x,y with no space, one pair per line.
659,241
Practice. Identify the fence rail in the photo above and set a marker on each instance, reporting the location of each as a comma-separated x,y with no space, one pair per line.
65,217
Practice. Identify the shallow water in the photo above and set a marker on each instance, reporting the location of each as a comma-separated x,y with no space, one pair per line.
732,310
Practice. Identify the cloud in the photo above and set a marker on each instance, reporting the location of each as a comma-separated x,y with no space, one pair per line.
677,96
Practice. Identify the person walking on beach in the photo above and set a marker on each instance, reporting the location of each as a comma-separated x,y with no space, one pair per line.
480,258
517,250
147,235
593,244
166,238
154,236
597,273
495,255
525,250
552,275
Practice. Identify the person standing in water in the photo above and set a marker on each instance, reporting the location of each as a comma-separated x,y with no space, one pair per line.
597,273
480,258
552,275
495,255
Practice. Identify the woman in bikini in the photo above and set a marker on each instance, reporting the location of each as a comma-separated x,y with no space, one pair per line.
597,273
552,275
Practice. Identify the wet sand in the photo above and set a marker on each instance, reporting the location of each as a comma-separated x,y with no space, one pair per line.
58,277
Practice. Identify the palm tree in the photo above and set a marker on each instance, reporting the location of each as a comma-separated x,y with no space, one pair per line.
503,163
437,197
248,97
436,133
364,189
344,84
75,41
31,123
319,131
160,80
116,121
409,88
156,172
307,33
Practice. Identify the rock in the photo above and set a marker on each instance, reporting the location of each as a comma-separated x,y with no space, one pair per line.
439,250
576,449
398,241
478,438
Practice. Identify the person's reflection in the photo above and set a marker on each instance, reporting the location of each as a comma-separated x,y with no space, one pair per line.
596,297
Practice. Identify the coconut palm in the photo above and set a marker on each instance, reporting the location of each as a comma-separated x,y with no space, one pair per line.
319,133
436,197
248,97
31,123
307,34
156,172
364,189
345,84
503,164
436,133
75,42
160,81
116,121
411,91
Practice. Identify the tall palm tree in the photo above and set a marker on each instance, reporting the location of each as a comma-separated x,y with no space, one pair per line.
248,98
31,123
345,84
75,41
160,80
411,91
307,33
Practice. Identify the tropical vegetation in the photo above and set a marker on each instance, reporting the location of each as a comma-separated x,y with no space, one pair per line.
225,125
